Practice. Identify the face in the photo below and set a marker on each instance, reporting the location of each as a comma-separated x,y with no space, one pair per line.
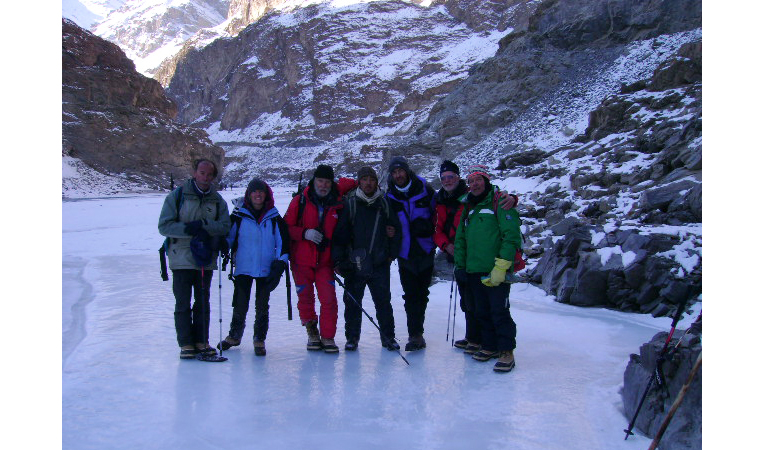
368,185
322,186
204,175
400,177
258,199
449,180
477,184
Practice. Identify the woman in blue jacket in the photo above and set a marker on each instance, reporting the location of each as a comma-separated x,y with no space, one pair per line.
259,244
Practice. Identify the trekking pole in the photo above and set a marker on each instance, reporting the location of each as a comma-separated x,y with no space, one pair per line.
657,376
387,339
454,315
676,404
449,313
215,357
289,291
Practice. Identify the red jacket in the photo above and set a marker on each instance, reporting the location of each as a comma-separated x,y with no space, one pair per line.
446,206
305,252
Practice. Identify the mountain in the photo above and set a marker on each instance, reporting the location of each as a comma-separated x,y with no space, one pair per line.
87,13
117,129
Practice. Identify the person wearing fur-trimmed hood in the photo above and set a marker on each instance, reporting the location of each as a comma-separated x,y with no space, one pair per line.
259,244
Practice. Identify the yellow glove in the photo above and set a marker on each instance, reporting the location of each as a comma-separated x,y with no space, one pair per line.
497,275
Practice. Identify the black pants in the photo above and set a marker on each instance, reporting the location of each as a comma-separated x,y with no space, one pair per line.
379,288
467,304
493,312
416,284
241,303
192,324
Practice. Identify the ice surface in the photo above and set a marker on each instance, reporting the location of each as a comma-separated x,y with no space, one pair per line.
125,387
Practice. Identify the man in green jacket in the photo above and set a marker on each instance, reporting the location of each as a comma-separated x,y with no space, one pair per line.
484,249
193,218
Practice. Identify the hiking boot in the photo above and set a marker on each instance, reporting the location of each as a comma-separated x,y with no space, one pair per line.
472,348
205,350
228,343
188,352
314,341
415,343
329,345
506,362
392,345
351,345
462,343
260,348
485,355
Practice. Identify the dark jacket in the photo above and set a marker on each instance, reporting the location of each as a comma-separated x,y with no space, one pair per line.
415,211
356,232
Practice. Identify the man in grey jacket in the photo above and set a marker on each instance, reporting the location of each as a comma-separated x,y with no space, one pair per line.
193,218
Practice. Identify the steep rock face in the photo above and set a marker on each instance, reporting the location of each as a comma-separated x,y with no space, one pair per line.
324,82
119,122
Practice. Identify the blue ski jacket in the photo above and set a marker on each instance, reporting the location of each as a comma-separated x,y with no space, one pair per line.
259,243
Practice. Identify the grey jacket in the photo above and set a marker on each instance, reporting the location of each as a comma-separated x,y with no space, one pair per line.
209,208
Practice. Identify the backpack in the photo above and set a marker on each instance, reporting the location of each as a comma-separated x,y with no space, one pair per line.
518,262
166,243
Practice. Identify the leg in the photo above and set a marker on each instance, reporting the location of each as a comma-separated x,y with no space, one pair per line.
467,303
200,312
261,310
483,312
242,291
503,323
379,288
424,277
353,287
305,277
410,285
325,288
183,280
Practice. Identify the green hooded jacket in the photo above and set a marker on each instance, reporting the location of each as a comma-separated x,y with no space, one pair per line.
210,208
485,233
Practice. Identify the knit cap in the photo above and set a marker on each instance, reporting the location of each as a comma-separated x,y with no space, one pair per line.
367,171
398,162
448,166
324,171
479,169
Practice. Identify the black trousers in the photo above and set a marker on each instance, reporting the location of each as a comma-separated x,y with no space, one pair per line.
493,312
241,303
467,304
379,288
192,323
416,284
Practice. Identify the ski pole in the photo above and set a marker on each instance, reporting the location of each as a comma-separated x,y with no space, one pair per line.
454,316
676,404
449,313
289,291
387,339
657,376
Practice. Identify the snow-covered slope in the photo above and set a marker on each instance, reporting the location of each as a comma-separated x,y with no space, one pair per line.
87,13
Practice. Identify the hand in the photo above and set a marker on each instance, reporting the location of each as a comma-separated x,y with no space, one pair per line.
449,248
460,275
313,235
497,275
193,228
390,231
422,228
275,274
507,201
344,269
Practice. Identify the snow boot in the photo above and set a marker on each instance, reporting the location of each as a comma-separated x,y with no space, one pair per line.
485,355
204,349
260,348
462,343
472,348
351,345
392,345
188,352
506,362
228,343
329,345
415,343
314,341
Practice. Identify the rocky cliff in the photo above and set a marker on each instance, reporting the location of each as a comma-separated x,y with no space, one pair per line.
118,122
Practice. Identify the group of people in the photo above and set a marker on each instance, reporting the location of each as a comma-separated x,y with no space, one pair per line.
349,229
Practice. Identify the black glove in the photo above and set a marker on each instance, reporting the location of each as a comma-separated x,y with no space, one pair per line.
422,228
461,276
193,228
275,274
344,268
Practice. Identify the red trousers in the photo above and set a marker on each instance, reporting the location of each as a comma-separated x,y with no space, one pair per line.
323,277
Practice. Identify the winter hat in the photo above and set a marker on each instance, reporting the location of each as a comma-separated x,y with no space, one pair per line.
479,169
398,162
448,166
367,171
324,171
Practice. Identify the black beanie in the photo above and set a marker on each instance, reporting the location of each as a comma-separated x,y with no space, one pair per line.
324,171
257,185
448,166
367,171
398,162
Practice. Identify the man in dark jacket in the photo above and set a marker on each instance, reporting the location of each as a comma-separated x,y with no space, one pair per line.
412,199
363,248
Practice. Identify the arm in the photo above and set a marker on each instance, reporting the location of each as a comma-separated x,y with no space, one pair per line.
342,234
460,244
394,243
290,218
168,225
282,240
222,226
510,232
440,238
